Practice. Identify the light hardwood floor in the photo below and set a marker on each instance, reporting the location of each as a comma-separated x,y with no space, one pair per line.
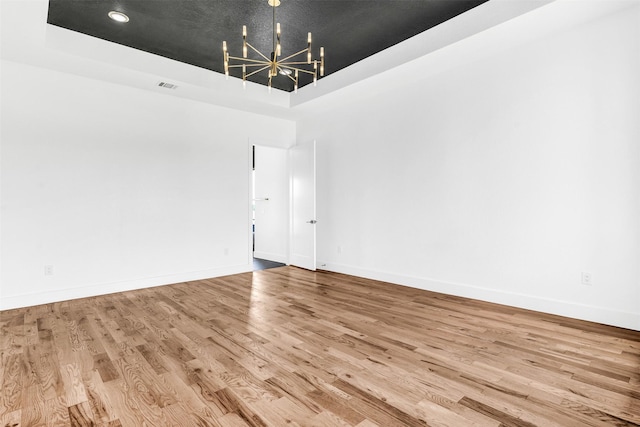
287,347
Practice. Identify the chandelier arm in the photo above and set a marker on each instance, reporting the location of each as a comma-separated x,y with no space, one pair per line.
256,71
292,79
304,71
285,66
248,65
295,54
258,52
252,64
294,63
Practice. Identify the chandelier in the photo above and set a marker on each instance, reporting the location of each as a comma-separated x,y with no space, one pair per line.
291,66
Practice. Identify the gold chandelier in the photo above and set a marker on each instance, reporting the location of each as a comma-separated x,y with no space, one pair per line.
290,66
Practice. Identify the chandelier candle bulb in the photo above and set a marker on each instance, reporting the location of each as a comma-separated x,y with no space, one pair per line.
226,58
321,61
244,41
278,48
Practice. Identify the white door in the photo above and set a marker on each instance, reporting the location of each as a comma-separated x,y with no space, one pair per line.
303,205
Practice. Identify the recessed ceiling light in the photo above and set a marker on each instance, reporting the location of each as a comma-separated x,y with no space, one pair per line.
118,16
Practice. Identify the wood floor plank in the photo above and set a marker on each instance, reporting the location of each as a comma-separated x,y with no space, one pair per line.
130,407
291,347
33,406
11,419
12,382
329,419
56,412
80,415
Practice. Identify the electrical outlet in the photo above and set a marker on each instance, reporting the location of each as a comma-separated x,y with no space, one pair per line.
339,249
48,270
226,251
587,278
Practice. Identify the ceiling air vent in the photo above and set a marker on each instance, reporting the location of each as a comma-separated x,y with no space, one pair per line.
167,85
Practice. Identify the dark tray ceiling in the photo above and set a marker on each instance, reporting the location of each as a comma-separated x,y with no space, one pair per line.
192,31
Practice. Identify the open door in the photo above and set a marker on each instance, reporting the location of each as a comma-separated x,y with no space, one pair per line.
303,205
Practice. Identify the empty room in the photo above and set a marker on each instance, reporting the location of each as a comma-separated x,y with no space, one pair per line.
320,213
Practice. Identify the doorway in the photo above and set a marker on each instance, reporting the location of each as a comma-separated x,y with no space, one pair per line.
270,207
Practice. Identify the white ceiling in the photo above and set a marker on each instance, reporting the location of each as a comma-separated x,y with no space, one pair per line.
490,27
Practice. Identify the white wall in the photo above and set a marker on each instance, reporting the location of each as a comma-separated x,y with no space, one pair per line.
272,216
500,179
118,188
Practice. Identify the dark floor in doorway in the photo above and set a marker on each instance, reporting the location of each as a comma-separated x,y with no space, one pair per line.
263,264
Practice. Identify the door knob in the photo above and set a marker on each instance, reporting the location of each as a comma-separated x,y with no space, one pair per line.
313,221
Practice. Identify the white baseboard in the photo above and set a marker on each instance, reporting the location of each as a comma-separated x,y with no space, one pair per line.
31,299
623,319
271,257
